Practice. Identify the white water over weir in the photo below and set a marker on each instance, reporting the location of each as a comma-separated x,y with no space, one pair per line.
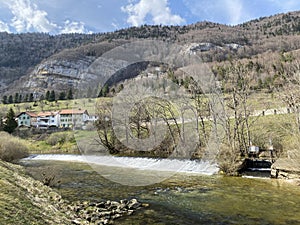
156,167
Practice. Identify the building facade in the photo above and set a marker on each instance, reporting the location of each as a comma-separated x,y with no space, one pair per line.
66,118
71,118
47,119
27,119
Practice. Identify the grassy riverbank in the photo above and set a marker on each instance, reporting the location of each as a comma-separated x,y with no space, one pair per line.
24,200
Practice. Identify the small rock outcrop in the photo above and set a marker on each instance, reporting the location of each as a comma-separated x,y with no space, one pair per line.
103,212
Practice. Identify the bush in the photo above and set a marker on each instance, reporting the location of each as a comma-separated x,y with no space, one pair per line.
60,138
229,161
12,148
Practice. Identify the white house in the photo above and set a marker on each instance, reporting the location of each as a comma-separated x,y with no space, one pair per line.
47,119
27,119
93,118
73,118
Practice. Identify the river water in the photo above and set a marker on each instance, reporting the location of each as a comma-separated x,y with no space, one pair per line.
190,193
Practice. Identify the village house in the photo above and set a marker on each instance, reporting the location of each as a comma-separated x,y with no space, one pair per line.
93,118
72,118
47,119
66,118
27,119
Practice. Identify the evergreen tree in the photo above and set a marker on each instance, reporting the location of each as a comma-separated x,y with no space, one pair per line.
47,97
5,99
100,93
52,96
20,98
62,95
10,99
10,124
31,98
26,99
104,91
16,99
70,94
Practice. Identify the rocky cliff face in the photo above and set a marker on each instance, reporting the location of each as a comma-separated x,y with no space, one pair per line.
56,75
74,68
59,62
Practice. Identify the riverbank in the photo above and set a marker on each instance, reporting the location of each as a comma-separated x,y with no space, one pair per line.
27,201
24,200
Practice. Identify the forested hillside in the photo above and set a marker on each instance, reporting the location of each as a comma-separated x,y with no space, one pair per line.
26,55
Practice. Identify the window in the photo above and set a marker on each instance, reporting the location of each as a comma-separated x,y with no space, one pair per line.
28,117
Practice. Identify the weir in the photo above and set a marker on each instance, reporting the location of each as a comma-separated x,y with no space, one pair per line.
257,167
151,164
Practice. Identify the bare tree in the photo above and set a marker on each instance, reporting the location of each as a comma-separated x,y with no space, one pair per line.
237,85
104,127
290,92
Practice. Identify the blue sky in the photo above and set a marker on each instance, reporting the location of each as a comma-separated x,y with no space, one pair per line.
90,16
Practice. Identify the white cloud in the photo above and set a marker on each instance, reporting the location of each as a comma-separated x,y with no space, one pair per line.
73,27
235,11
4,27
27,17
157,9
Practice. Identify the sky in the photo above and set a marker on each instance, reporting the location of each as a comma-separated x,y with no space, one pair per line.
97,16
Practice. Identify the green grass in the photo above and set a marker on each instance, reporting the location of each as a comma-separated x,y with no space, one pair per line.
280,129
24,200
88,104
68,145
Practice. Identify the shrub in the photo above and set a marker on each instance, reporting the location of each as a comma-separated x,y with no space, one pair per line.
12,148
60,138
229,161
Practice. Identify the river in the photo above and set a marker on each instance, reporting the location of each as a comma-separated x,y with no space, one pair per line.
191,193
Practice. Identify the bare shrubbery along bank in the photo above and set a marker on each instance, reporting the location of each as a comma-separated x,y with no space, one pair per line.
12,148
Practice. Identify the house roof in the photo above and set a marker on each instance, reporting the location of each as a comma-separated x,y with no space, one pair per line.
73,111
47,113
31,114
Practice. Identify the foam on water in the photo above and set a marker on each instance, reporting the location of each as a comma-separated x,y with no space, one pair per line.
170,165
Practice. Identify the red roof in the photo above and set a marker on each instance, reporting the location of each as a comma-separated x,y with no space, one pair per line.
47,113
31,114
72,111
